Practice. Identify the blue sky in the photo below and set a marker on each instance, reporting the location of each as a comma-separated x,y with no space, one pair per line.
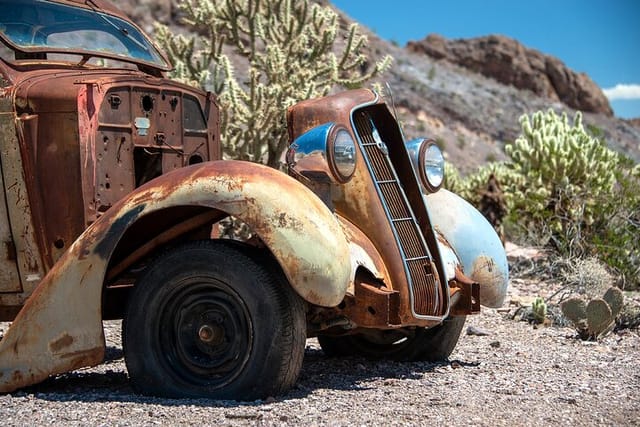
598,37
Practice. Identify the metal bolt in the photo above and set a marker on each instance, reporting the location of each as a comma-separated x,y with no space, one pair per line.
211,334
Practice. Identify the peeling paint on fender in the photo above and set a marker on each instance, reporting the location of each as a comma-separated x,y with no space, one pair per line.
60,326
474,241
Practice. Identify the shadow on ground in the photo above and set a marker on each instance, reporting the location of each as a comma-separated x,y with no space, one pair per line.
109,381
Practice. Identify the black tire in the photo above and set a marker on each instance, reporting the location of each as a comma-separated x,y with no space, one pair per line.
210,319
420,344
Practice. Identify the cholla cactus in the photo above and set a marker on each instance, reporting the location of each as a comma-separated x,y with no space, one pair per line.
539,310
289,46
575,192
565,189
595,318
567,174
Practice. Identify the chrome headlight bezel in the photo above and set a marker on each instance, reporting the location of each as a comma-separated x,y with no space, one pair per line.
319,154
432,162
426,154
341,147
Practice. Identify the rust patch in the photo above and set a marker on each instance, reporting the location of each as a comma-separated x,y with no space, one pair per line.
16,377
288,221
483,266
64,341
78,359
484,270
491,279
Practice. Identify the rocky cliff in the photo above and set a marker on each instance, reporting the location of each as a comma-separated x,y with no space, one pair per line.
511,63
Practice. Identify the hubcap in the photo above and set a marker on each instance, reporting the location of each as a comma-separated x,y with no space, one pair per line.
205,332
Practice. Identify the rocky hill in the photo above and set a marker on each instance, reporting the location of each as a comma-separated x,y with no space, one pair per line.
511,63
473,114
467,94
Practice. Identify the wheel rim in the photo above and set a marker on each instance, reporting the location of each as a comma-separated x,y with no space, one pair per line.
204,333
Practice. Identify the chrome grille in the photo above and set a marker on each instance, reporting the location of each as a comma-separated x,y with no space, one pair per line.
423,287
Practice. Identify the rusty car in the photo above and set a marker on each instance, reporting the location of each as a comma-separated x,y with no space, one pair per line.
114,187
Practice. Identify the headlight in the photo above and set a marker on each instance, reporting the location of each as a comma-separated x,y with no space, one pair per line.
344,154
428,162
432,162
324,153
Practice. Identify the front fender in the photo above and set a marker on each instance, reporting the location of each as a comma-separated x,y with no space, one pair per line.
59,328
475,243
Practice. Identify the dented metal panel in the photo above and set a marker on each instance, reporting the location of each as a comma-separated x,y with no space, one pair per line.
24,250
79,148
285,214
9,276
474,241
363,254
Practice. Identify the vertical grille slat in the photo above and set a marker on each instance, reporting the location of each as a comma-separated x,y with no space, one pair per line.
422,280
424,285
397,209
410,240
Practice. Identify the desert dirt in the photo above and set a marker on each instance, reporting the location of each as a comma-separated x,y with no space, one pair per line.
516,374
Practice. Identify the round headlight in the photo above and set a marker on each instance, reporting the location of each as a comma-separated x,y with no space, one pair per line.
432,162
343,154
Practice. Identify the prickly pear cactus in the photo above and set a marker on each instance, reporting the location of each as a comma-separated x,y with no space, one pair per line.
599,317
595,318
575,309
615,299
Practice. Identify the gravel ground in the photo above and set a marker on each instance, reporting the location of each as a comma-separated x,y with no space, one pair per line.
516,375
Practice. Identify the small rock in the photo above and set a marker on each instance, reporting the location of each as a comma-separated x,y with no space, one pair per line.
472,330
495,344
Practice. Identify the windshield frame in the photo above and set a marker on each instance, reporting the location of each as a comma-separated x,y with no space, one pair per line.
115,25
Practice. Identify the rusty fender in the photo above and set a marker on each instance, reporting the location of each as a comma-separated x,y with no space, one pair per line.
472,240
60,327
363,254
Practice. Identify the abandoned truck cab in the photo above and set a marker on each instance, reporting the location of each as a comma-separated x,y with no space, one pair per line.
114,188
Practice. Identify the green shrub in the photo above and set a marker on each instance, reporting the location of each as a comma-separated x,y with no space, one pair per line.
618,225
566,190
432,73
472,186
579,195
